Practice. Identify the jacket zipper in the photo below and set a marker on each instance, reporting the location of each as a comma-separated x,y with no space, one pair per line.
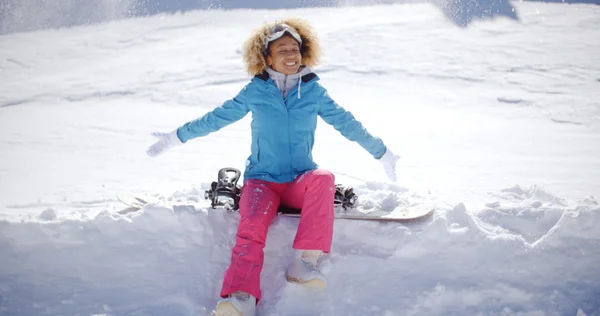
287,112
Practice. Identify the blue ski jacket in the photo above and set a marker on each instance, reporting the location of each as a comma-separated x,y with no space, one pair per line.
283,129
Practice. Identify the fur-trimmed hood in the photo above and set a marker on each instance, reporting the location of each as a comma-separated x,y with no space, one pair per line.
254,46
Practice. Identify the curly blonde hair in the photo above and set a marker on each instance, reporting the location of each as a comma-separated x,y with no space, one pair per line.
254,46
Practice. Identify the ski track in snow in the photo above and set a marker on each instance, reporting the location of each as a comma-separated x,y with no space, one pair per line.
471,110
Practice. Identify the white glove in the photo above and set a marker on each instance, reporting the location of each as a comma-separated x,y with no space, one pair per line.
165,142
389,160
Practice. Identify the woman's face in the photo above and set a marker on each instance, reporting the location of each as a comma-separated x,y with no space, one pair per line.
284,55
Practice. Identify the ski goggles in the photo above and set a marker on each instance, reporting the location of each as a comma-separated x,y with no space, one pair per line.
278,31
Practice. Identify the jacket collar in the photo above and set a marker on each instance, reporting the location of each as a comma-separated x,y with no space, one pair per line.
264,76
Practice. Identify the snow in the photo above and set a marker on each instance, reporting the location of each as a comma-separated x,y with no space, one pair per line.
497,123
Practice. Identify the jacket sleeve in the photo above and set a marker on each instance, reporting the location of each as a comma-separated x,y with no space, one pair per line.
229,112
344,122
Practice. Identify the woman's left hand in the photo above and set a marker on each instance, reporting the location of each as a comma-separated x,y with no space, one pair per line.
389,160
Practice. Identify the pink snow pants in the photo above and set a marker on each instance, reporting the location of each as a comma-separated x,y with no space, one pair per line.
313,192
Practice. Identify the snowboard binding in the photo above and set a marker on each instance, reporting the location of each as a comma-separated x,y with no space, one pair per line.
344,197
226,192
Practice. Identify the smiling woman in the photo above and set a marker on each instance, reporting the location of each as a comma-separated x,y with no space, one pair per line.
280,169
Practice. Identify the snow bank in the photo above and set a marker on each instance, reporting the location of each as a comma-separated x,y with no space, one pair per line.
526,252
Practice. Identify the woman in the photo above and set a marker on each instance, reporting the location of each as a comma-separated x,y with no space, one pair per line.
285,99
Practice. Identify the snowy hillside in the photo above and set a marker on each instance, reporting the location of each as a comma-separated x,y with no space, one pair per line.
498,123
28,15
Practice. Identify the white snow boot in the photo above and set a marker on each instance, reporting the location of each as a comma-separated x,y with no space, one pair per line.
305,270
237,304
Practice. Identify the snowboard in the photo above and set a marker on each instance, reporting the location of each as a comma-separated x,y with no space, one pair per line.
404,214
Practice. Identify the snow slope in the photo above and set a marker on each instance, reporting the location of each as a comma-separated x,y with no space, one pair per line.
498,123
29,15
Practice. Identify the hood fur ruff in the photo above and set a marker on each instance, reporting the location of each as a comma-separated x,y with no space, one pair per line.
255,45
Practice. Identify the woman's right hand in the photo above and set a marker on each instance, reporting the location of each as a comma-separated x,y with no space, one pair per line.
165,142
